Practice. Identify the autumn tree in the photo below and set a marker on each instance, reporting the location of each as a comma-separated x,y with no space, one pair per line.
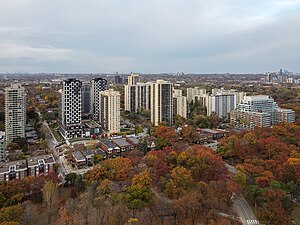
49,196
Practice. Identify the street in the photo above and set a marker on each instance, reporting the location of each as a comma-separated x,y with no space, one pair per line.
240,204
244,211
52,142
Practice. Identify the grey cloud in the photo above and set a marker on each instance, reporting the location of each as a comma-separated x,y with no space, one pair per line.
153,35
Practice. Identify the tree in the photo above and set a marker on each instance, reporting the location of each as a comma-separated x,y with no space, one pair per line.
70,179
79,183
142,179
11,213
180,182
137,198
49,196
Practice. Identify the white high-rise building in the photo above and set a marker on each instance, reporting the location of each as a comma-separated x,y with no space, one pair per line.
97,85
15,112
259,103
260,111
109,104
201,100
191,92
221,105
161,102
71,102
179,103
133,79
71,109
238,94
137,97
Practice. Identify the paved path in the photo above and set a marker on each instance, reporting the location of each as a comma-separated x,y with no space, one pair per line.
241,206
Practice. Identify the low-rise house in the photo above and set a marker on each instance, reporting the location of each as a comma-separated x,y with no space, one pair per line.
122,144
40,165
215,134
79,159
133,141
89,157
101,152
13,170
111,148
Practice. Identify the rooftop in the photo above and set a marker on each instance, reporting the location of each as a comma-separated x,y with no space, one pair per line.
41,159
133,140
78,156
121,142
87,152
20,165
108,143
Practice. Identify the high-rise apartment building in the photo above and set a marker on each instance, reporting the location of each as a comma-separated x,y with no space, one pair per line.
15,112
191,92
179,104
118,80
201,100
238,94
260,111
249,120
259,103
109,103
86,97
71,108
161,102
221,104
71,102
137,97
133,79
97,85
284,115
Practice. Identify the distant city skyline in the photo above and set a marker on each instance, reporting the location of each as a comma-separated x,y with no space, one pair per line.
221,36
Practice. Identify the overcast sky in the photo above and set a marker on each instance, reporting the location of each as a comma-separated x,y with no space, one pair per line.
198,36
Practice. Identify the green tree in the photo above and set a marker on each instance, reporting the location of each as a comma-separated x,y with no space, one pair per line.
79,183
137,198
70,179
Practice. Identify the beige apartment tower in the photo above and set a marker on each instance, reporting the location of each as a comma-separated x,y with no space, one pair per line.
15,112
109,103
161,102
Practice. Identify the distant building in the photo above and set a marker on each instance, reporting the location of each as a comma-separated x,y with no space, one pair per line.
249,120
161,102
97,85
3,155
239,95
259,103
259,111
290,80
133,79
221,105
201,100
118,80
179,104
110,111
284,115
15,112
86,97
137,97
191,92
